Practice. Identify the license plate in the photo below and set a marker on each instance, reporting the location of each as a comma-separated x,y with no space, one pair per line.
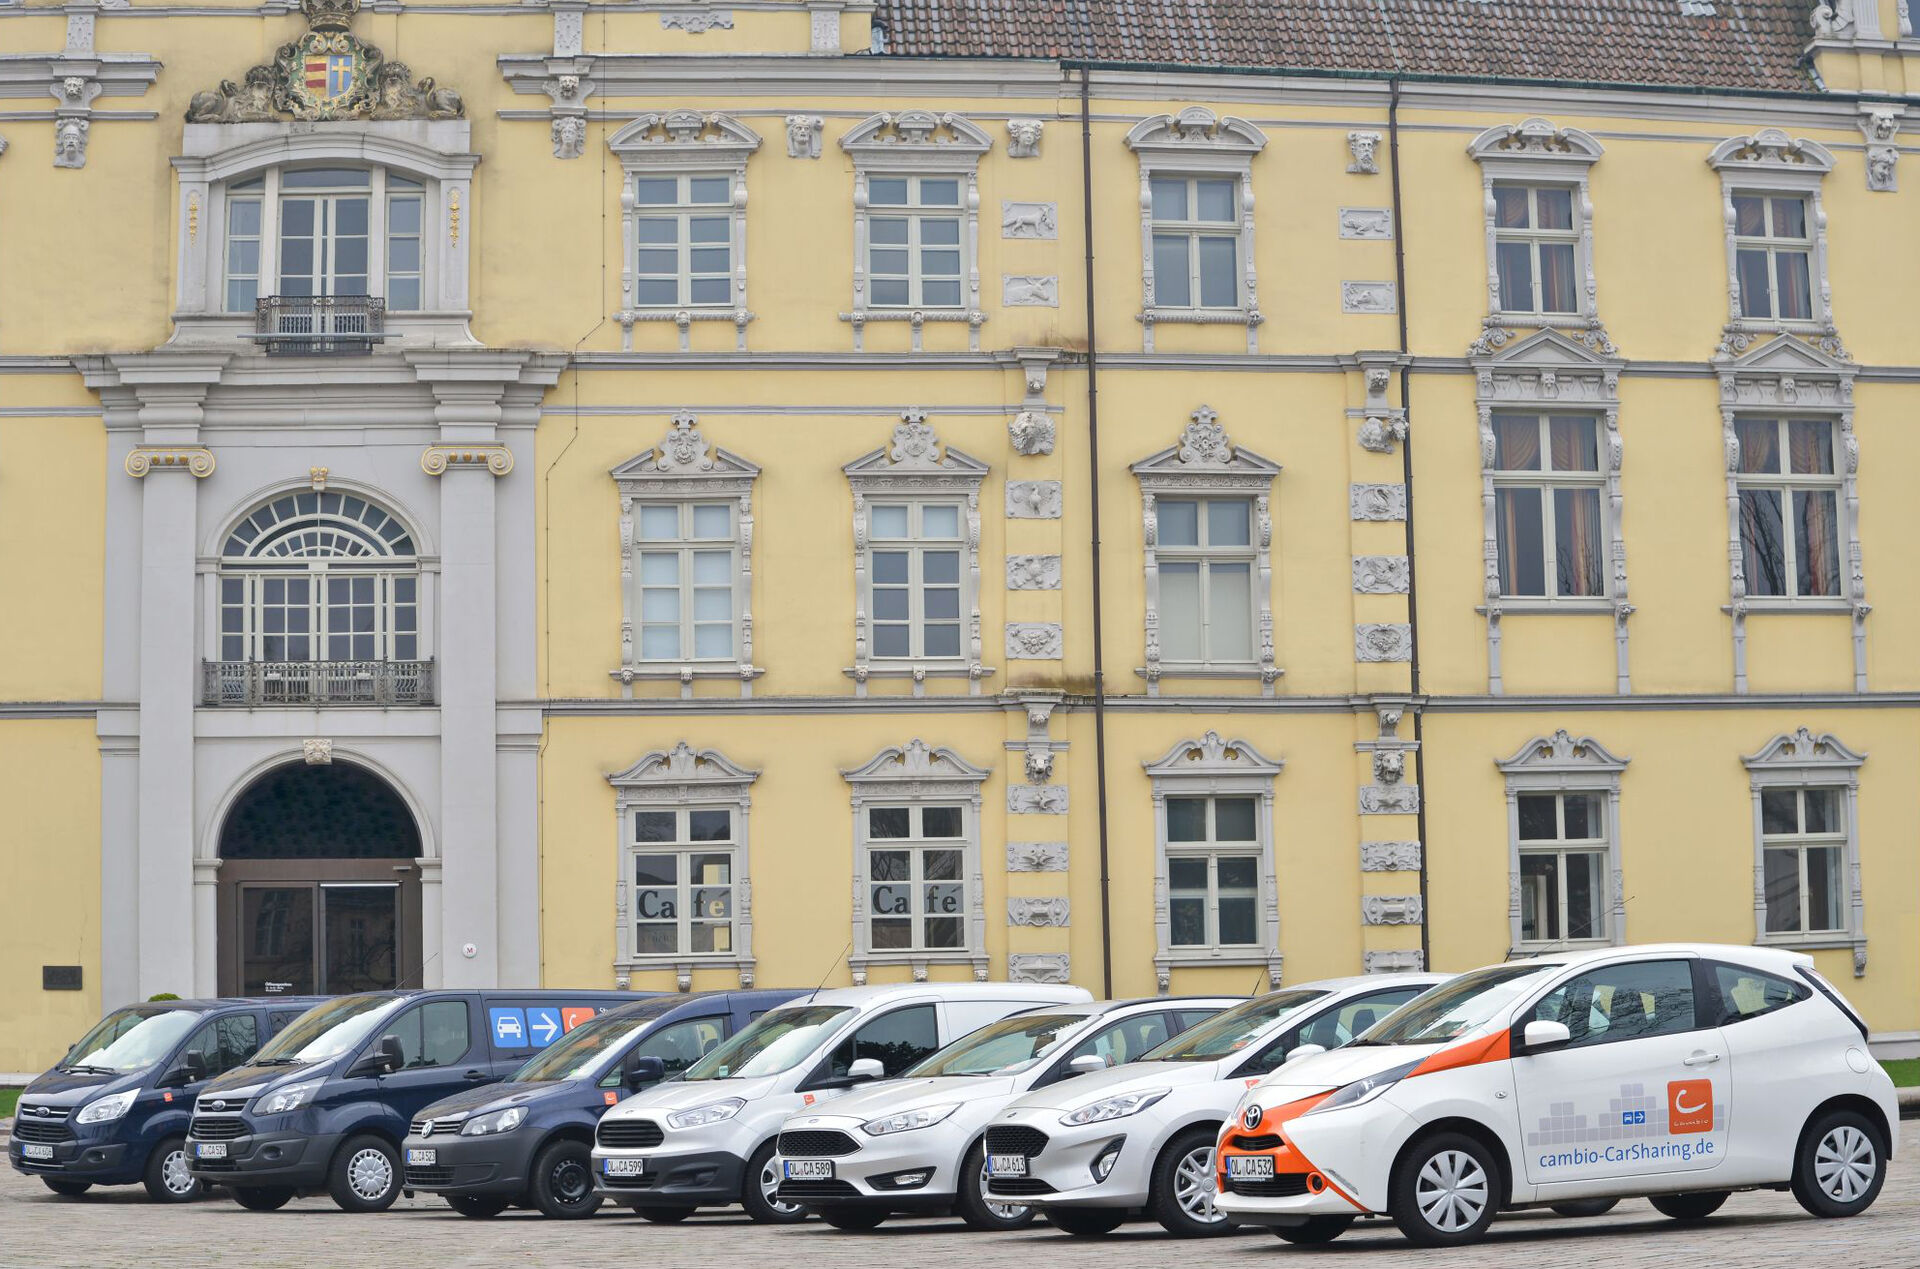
1006,1165
210,1149
30,1151
1250,1167
809,1169
422,1158
623,1167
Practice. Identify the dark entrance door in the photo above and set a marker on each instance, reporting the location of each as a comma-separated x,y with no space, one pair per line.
319,891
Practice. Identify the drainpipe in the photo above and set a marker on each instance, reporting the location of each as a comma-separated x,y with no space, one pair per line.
1406,480
1093,486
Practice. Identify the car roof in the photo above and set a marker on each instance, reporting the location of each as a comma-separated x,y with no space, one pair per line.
1777,959
861,997
663,1006
1357,982
204,1004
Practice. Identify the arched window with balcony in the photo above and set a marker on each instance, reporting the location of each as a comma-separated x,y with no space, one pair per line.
319,603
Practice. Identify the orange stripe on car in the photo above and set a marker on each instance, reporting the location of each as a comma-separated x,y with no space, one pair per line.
1497,1047
1286,1156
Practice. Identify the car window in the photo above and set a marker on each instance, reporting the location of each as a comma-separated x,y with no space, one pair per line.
277,1021
434,1034
1748,993
896,1040
225,1043
1337,1026
1124,1041
1192,1017
1622,1002
682,1044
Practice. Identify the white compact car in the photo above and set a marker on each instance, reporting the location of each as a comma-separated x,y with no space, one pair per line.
1092,1152
1680,1073
706,1139
914,1144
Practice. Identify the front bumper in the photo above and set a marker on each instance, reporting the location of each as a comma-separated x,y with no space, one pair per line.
1061,1174
1335,1164
901,1172
701,1178
281,1158
494,1164
97,1161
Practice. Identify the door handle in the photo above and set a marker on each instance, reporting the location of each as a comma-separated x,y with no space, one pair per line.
1703,1059
480,1075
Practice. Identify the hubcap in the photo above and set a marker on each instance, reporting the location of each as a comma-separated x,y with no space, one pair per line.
1000,1211
1844,1163
770,1186
174,1173
370,1175
1193,1185
1451,1191
570,1182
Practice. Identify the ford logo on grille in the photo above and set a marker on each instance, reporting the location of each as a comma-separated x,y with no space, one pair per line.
216,1105
43,1111
1251,1117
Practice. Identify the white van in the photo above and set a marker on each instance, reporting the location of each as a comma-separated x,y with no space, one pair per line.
707,1138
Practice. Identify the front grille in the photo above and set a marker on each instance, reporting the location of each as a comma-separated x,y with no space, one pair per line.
627,1133
215,1165
420,1128
206,1128
1017,1186
444,1126
1016,1139
1266,1141
430,1176
645,1181
44,1132
799,1144
805,1191
1285,1185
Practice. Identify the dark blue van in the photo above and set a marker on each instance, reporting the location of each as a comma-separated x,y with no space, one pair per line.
324,1106
114,1110
529,1141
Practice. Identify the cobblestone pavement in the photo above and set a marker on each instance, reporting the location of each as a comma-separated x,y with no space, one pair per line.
119,1227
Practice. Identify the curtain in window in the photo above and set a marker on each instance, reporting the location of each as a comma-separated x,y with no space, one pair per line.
1791,279
1819,554
1577,541
1759,445
1573,445
1518,444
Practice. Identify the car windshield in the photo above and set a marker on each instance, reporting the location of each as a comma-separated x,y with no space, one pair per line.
1469,1001
778,1042
1228,1032
130,1040
582,1052
326,1031
1001,1048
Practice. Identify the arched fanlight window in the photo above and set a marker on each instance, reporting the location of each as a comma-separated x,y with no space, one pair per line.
319,577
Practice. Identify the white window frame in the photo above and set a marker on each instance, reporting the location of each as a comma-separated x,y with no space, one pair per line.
681,850
917,213
1198,143
1210,767
1205,464
1803,760
1769,162
683,779
917,776
1191,229
1786,483
917,143
915,545
1536,152
683,143
1773,245
1547,480
1561,764
915,467
682,470
1533,237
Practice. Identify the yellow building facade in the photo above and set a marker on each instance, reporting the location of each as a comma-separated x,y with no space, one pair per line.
793,491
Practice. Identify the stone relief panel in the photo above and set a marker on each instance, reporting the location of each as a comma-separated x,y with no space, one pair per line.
1383,641
1029,290
1035,641
1368,297
1365,149
1030,432
1036,856
1389,856
1055,913
1408,961
1029,220
1380,574
1396,909
804,136
1040,967
1389,799
1033,572
1366,222
1378,502
1037,799
1033,499
1023,138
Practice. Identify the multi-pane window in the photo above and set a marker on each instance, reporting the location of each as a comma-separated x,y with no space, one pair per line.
1773,251
683,863
916,878
1563,867
686,571
1196,242
1535,246
914,585
1547,497
913,242
1789,507
317,232
1803,840
683,241
243,245
323,231
1206,559
405,271
1213,871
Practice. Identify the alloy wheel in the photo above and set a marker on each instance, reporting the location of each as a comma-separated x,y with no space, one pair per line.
1001,1211
370,1173
1451,1191
1844,1163
1193,1185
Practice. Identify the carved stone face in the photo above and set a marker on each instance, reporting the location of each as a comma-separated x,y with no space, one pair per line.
1389,765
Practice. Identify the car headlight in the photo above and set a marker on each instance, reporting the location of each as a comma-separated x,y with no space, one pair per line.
1365,1090
499,1121
282,1100
700,1116
908,1120
105,1109
1114,1107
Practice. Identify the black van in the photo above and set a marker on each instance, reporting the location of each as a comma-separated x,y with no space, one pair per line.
114,1110
529,1141
325,1105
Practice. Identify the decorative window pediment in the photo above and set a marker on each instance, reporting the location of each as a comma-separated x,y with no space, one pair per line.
1807,885
1565,884
1799,756
1773,154
909,138
683,138
1535,141
1554,761
1196,129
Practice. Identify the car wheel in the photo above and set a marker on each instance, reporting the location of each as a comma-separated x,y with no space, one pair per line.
168,1179
66,1189
759,1191
1316,1229
478,1206
853,1218
1444,1191
263,1198
562,1181
663,1215
1841,1165
1181,1194
973,1204
364,1175
1689,1207
1085,1222
1587,1207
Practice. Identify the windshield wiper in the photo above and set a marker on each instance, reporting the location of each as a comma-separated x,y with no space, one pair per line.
85,1069
277,1061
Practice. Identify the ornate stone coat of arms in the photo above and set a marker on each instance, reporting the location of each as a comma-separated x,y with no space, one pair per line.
326,74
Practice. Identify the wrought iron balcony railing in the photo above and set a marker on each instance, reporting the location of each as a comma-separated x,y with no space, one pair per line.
319,323
316,683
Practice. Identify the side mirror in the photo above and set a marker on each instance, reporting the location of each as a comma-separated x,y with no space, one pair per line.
1086,1064
645,1071
384,1058
191,1070
1305,1050
865,1069
1541,1037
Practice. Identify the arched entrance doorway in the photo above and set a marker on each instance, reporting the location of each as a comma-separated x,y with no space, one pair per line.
319,891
